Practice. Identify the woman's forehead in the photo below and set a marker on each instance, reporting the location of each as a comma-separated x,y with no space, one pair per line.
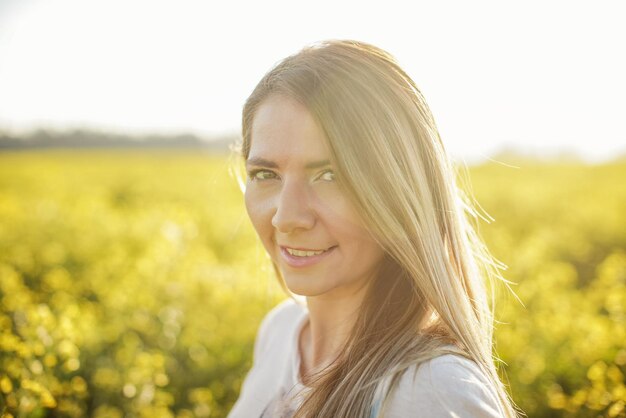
281,115
283,131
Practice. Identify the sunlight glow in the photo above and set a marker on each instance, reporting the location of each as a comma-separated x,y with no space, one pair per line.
536,76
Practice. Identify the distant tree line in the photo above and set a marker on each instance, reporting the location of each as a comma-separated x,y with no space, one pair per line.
85,138
81,138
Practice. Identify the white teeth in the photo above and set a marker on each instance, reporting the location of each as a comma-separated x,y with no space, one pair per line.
299,253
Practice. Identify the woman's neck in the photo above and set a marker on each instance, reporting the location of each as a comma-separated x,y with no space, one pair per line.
331,319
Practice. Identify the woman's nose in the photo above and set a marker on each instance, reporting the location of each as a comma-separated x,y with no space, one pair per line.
292,209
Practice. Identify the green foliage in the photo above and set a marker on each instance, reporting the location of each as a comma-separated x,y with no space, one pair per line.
132,284
561,229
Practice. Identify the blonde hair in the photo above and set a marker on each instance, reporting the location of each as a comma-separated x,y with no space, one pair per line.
392,164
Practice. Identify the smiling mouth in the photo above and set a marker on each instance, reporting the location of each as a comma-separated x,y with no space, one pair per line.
304,261
306,253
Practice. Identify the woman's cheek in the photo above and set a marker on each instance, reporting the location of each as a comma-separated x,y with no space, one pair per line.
259,207
253,205
329,196
338,201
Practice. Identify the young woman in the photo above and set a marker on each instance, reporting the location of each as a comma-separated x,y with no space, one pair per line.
355,200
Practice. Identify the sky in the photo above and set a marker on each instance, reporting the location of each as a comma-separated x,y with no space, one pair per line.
544,77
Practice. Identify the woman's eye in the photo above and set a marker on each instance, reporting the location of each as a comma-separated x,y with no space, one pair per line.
260,175
328,175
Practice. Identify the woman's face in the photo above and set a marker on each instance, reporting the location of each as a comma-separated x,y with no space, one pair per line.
295,203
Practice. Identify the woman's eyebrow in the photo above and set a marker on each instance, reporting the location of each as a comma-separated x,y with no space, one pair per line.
260,161
317,164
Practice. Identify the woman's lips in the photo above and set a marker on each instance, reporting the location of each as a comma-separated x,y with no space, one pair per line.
306,261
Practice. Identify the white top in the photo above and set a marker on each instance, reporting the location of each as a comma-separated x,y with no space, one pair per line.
446,386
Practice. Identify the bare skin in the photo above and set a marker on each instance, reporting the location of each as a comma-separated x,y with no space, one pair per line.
324,334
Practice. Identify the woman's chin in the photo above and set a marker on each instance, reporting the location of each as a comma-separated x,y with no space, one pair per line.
304,287
305,291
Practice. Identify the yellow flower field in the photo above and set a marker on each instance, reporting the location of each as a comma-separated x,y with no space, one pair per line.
132,284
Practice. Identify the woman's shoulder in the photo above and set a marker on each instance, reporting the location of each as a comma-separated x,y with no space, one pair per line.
279,324
273,349
445,386
282,316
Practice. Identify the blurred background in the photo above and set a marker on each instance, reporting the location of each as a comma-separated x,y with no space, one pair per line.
131,281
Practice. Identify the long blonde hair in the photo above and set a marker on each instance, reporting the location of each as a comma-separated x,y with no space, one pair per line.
431,290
